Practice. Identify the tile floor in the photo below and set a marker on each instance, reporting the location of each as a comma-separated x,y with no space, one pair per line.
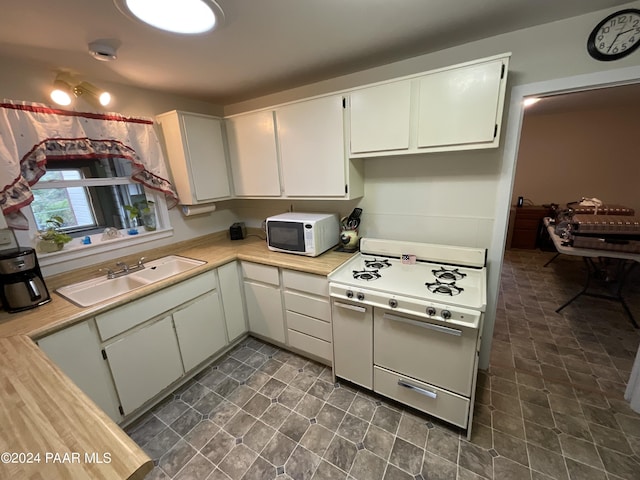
549,407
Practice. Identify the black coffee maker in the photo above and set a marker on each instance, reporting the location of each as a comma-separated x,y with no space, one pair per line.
21,283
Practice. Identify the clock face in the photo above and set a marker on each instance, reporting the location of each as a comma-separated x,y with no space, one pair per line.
616,36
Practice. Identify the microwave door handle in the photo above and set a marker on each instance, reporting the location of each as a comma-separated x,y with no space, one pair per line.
34,292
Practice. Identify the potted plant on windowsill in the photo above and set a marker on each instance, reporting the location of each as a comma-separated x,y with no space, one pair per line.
52,239
141,211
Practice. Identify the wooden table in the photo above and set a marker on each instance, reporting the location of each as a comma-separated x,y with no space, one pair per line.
626,263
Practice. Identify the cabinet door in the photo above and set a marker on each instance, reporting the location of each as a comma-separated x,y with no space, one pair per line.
205,151
200,330
253,154
311,139
380,117
264,310
77,351
196,154
353,342
459,106
144,362
232,301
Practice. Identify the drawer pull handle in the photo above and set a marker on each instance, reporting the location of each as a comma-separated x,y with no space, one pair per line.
422,391
356,308
430,326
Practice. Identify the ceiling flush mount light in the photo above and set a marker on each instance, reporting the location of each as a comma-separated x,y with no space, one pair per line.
176,16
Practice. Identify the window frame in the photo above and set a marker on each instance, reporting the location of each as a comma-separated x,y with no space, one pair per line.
76,248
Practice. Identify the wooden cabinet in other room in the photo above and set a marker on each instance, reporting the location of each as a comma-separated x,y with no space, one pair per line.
197,156
527,225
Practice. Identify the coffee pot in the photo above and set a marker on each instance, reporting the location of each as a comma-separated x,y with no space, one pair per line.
21,283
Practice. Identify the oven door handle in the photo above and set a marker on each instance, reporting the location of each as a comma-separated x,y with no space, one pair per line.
420,390
430,326
357,308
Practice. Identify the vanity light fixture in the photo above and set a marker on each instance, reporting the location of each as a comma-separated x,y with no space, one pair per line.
64,91
176,16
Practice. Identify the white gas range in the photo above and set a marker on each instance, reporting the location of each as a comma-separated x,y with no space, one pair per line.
407,319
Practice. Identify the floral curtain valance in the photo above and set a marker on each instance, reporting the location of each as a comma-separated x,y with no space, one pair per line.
31,134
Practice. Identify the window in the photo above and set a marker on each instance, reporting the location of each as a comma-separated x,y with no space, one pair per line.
91,195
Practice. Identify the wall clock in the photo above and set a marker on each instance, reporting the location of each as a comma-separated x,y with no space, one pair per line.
616,36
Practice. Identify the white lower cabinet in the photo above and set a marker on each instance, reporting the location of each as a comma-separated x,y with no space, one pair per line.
264,301
230,285
308,313
200,329
144,362
77,351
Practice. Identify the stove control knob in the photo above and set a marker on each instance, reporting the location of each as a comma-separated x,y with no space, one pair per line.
360,296
431,311
393,303
446,314
349,294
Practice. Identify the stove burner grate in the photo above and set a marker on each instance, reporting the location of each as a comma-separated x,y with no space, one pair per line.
366,275
450,289
377,264
450,276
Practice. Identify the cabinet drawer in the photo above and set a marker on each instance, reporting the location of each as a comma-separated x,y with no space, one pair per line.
306,282
447,406
260,273
309,325
311,345
311,306
123,318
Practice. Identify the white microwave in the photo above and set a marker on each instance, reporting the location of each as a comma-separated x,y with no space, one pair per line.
307,234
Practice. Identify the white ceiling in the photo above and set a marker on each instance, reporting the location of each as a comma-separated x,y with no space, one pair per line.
265,45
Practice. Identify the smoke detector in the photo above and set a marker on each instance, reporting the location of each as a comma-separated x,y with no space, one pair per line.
102,51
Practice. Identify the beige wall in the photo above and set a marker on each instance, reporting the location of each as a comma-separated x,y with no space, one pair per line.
585,153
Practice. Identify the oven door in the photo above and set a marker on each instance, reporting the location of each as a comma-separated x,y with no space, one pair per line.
444,356
286,236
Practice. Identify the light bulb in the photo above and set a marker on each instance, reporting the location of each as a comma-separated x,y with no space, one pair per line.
104,99
61,93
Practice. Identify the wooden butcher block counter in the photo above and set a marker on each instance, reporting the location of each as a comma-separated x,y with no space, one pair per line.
49,429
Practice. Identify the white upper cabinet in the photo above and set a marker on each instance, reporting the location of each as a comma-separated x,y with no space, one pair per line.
312,153
453,108
254,155
460,106
196,154
379,117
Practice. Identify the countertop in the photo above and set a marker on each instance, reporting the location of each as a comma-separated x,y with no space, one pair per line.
42,411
